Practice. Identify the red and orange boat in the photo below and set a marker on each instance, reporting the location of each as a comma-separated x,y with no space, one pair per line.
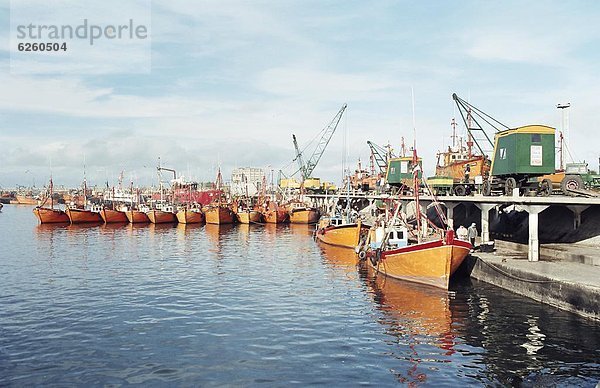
191,215
112,216
27,199
83,216
219,214
300,213
275,214
430,262
334,231
249,217
50,215
138,216
161,216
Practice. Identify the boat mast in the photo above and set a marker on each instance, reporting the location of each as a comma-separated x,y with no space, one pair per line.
51,193
131,197
160,187
415,161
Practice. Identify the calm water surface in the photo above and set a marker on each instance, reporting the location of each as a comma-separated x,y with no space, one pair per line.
207,305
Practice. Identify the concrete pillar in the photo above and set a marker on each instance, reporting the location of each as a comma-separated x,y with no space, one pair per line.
577,210
450,213
485,220
534,242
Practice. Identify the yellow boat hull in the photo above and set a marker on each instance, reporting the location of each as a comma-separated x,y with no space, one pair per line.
430,263
347,236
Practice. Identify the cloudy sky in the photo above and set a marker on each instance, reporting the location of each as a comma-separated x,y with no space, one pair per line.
230,81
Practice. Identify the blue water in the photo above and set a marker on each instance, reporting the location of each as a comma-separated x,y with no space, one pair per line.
209,306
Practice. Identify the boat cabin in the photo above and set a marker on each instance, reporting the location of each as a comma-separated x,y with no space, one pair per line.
396,236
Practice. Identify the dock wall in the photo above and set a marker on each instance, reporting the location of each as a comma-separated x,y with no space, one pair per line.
538,283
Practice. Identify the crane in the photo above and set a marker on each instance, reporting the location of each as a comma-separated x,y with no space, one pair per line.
307,167
471,116
380,155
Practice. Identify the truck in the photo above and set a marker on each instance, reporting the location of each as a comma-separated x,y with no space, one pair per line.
575,179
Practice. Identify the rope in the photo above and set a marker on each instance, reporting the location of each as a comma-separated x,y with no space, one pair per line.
514,276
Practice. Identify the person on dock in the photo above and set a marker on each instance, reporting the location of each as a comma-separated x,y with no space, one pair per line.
462,233
472,233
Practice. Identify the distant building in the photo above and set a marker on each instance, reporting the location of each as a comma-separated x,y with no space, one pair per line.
246,180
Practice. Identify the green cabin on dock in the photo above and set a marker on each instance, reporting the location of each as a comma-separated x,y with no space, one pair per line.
400,171
528,150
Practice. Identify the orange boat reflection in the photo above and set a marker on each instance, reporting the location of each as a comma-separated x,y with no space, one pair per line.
339,256
417,314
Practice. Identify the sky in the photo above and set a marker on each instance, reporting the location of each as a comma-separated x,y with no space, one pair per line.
229,81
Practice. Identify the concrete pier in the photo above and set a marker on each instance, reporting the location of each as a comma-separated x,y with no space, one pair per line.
570,286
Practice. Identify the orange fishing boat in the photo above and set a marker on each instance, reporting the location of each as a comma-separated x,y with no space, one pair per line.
245,213
111,216
83,216
219,214
164,215
249,216
27,200
190,216
430,262
50,215
275,214
300,213
335,231
191,213
426,262
137,217
219,211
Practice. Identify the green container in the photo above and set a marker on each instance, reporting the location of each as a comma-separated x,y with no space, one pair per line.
400,171
526,150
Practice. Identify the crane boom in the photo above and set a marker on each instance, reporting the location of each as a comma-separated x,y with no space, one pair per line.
471,117
380,155
307,168
301,166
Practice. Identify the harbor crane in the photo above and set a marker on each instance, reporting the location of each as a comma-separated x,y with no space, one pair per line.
473,118
380,155
307,167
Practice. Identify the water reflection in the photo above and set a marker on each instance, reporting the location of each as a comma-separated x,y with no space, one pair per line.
238,303
419,317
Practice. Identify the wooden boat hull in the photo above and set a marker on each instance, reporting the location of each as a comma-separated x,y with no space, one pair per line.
278,216
430,263
25,200
219,215
80,216
250,217
161,217
51,216
113,216
304,216
137,217
347,236
190,217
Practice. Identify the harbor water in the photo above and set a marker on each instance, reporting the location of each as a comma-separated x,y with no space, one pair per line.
244,305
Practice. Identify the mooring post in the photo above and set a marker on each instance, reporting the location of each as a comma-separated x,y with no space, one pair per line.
534,242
